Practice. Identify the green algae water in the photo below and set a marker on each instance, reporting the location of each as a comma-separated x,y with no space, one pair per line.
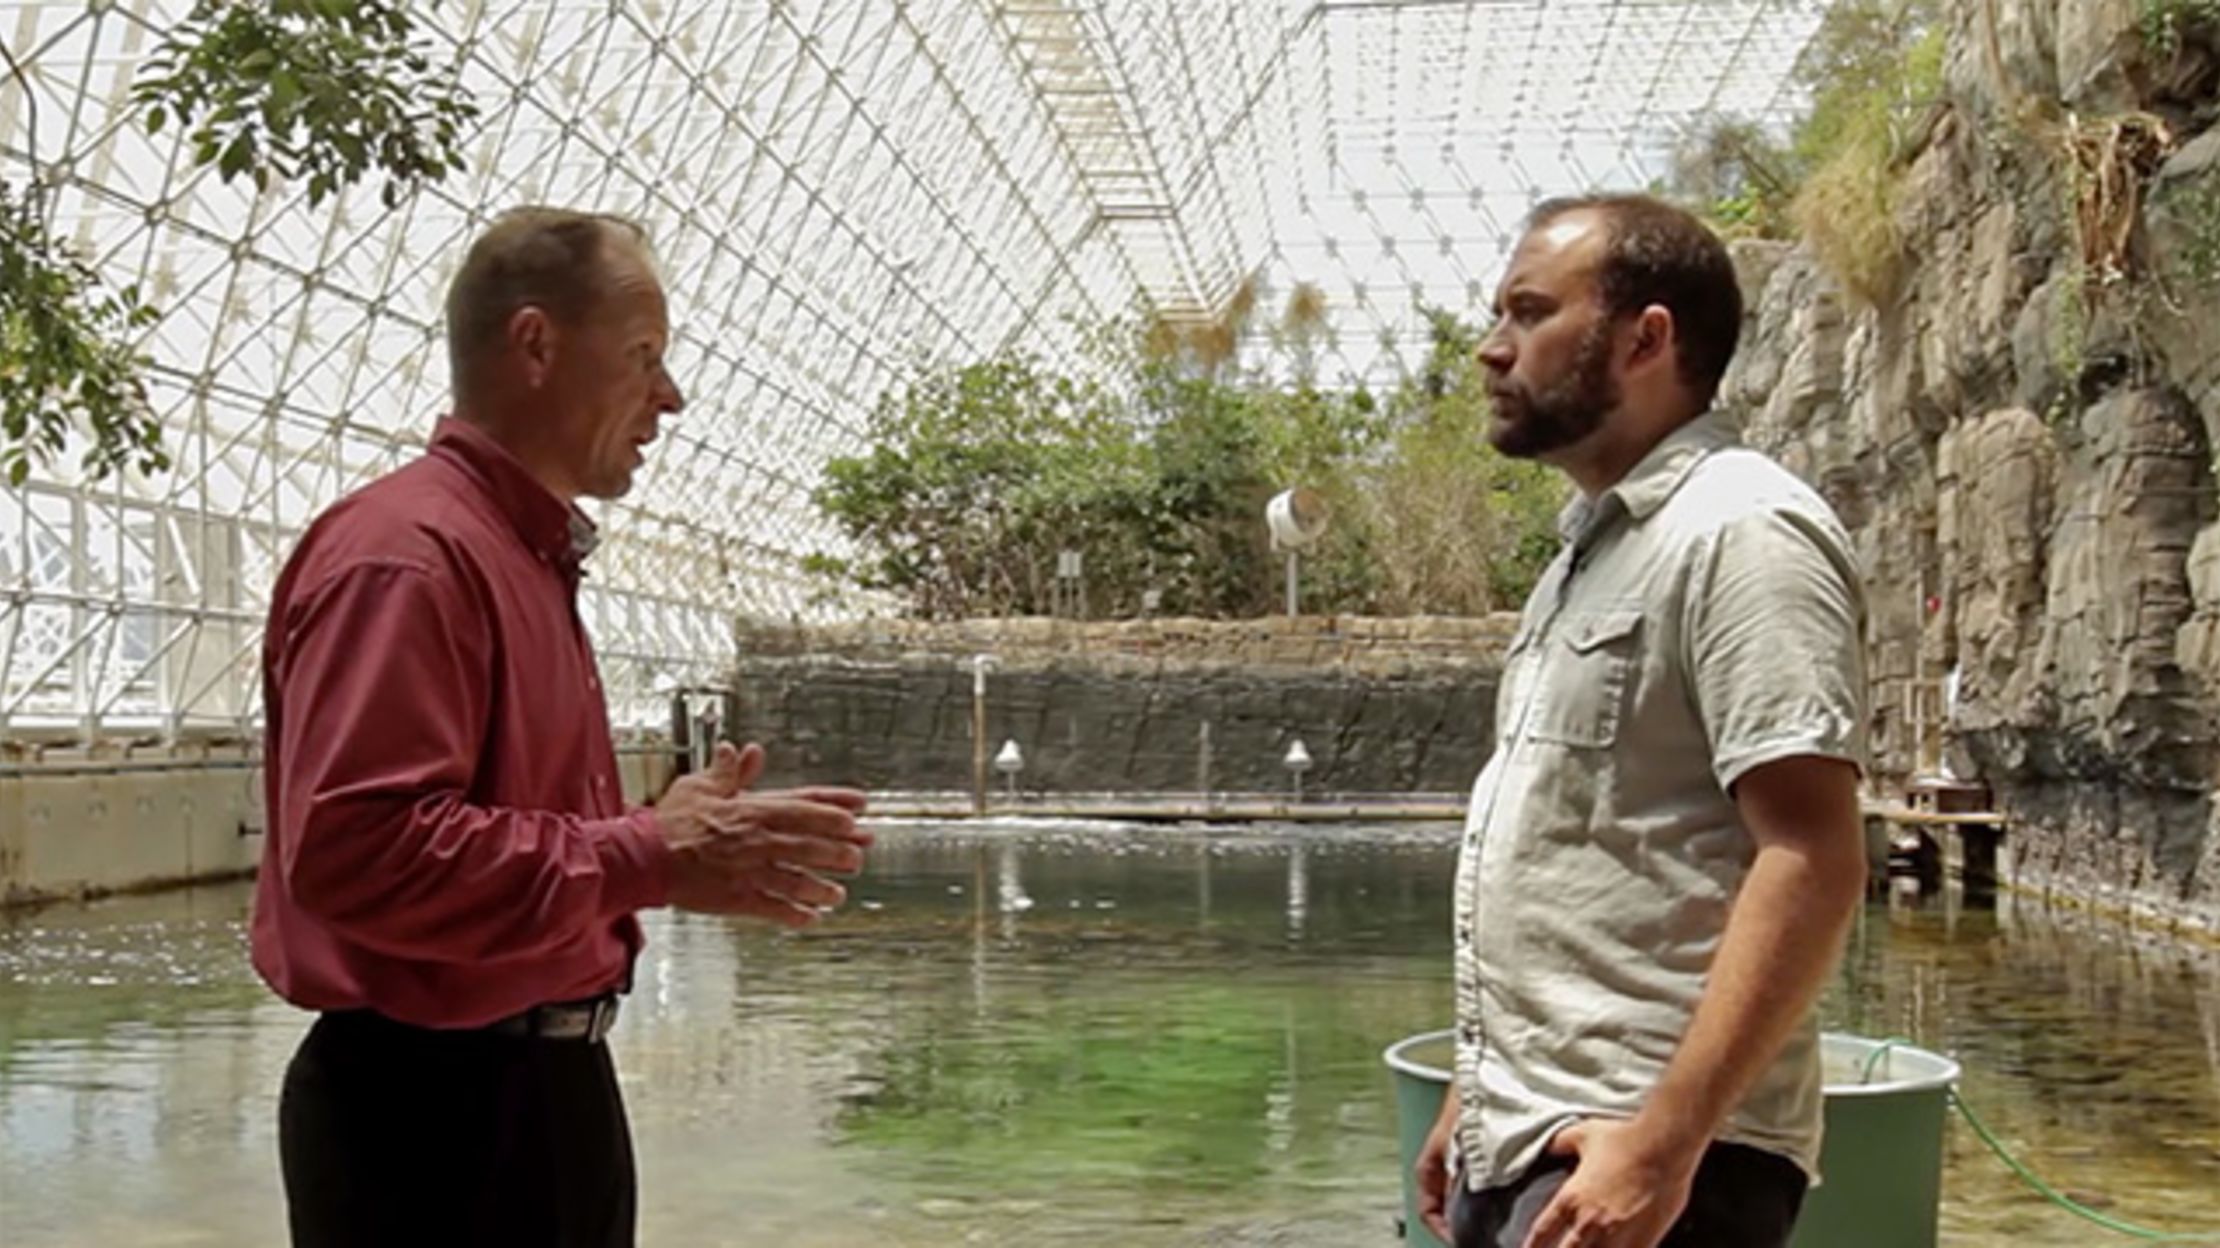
1065,1034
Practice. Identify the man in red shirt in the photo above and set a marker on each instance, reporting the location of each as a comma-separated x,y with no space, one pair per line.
451,874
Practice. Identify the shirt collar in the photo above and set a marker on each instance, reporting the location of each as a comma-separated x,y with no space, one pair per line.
551,528
1651,481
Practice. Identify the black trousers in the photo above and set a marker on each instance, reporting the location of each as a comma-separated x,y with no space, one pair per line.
1743,1197
402,1137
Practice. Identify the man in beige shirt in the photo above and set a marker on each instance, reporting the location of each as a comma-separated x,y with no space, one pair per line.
1664,851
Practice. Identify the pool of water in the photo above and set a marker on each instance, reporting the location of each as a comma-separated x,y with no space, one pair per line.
1033,1034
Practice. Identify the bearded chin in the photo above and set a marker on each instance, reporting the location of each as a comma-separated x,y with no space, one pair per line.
1545,427
1555,419
1565,413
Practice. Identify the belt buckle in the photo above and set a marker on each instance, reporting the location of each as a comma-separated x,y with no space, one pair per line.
601,1018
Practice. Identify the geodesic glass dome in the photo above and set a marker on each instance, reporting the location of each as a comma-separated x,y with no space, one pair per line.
836,190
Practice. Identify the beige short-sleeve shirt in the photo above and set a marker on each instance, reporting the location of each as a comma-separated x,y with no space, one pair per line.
1704,617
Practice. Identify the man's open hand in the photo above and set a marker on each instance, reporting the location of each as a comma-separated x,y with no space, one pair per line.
736,851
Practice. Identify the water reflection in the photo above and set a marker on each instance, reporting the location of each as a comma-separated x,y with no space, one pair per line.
101,1114
2093,1049
1064,1035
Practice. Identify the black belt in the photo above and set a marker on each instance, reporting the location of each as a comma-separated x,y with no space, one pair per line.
589,1021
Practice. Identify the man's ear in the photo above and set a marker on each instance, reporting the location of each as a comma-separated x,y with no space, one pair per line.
1655,336
531,336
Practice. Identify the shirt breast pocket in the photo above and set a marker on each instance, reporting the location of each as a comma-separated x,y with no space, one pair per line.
1586,668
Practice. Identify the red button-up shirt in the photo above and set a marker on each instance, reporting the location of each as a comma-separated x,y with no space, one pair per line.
447,841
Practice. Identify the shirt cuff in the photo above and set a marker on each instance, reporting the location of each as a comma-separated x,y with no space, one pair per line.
636,862
1732,767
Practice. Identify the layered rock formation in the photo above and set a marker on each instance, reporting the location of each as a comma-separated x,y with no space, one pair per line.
2028,470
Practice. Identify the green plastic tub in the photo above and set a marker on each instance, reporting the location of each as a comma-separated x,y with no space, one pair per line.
1882,1161
1881,1165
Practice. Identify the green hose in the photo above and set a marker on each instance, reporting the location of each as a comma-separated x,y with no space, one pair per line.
2035,1181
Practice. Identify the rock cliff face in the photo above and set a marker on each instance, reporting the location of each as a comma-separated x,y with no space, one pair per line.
2030,476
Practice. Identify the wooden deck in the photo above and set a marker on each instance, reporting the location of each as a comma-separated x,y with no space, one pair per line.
1897,812
1931,843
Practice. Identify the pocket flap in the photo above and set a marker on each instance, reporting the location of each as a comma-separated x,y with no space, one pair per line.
1601,628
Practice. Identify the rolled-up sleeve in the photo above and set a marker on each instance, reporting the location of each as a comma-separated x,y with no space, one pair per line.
1775,627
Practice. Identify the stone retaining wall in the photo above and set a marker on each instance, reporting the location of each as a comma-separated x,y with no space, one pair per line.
1382,706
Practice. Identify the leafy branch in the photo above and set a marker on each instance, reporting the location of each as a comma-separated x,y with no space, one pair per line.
326,90
65,356
64,353
2165,22
330,91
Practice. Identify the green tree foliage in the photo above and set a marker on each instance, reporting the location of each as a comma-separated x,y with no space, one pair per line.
326,90
1873,70
1739,174
66,354
1455,528
1873,65
65,358
1878,74
978,476
2168,25
1158,475
330,91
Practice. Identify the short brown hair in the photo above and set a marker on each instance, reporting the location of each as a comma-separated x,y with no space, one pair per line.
550,258
1656,253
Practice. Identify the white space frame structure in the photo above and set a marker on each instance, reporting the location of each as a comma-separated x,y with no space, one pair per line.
837,191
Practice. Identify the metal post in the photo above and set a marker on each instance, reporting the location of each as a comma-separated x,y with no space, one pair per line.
731,717
682,735
1292,559
1202,880
1202,763
979,733
706,735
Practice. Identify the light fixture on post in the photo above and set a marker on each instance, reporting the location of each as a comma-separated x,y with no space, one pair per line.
1297,762
1297,518
1010,762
